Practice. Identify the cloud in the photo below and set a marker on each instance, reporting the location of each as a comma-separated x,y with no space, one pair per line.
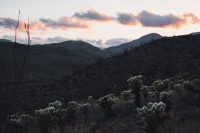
148,19
154,20
93,16
126,19
64,23
191,18
116,41
7,23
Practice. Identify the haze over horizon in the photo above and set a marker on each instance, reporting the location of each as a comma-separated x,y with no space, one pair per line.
101,23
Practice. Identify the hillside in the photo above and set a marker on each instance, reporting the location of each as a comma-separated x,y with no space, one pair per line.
45,62
162,58
159,59
82,48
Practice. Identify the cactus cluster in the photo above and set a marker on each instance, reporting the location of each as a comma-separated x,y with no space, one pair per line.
151,111
21,120
136,84
155,105
107,100
165,95
55,104
135,81
127,95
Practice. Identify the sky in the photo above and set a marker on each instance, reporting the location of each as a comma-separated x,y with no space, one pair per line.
103,23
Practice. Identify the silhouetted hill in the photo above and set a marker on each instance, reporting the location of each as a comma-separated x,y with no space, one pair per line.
81,48
46,62
162,58
135,43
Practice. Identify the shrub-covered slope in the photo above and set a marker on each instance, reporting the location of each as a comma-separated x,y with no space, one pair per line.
166,106
158,59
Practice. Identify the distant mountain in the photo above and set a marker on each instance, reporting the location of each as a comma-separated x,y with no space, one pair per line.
135,43
81,48
5,40
46,61
195,33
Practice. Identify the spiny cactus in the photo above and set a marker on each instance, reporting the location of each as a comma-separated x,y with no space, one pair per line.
196,84
44,112
106,102
165,96
127,95
158,85
145,91
56,104
90,99
20,120
136,84
152,113
20,123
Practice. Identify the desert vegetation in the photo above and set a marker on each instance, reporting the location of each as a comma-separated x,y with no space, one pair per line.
169,106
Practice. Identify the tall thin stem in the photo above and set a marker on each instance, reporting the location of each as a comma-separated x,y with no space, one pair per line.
27,28
14,50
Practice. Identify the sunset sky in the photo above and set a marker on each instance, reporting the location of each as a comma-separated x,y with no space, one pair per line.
102,23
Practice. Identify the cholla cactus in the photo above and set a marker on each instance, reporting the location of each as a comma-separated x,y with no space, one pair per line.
165,97
187,84
106,102
145,91
158,85
45,112
127,95
21,123
20,120
56,104
152,113
135,81
90,99
196,84
136,85
72,104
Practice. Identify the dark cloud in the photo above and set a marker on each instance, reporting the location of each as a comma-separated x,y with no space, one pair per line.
8,23
153,20
126,19
93,15
116,41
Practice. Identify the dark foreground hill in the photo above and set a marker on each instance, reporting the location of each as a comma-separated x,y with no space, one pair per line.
47,61
162,58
